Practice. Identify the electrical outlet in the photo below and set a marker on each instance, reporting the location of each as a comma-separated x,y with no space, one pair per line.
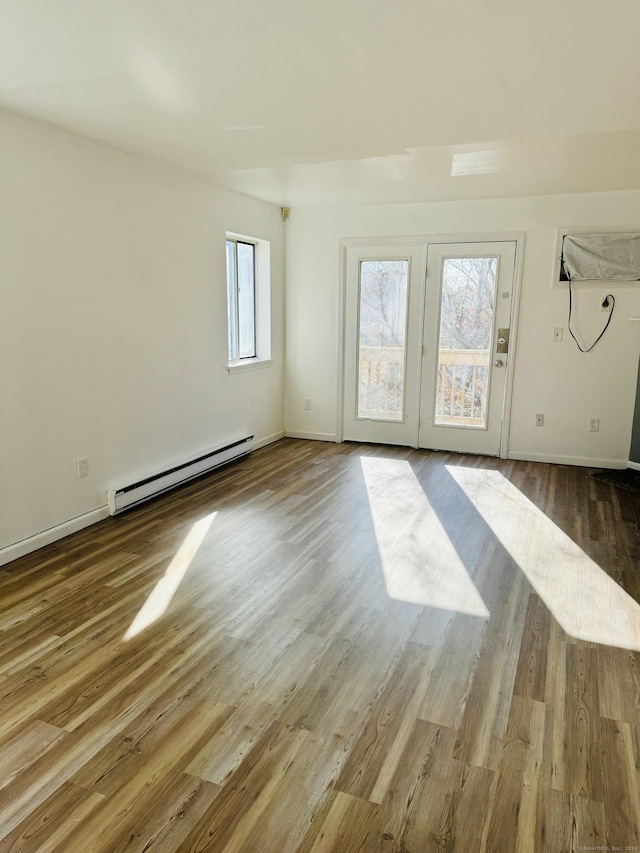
539,420
307,404
83,467
557,334
594,424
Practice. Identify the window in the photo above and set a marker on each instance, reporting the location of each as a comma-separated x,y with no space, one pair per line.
241,299
248,302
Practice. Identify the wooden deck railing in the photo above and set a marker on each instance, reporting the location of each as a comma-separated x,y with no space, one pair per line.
461,390
381,392
462,387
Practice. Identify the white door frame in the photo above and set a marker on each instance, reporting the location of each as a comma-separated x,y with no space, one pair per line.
518,237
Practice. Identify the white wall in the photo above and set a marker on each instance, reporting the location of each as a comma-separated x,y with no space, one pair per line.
113,322
555,379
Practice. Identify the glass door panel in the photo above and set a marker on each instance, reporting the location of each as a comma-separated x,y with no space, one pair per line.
382,339
466,331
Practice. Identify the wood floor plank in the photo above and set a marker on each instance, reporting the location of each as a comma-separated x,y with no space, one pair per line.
484,722
516,800
453,812
303,798
584,772
298,690
350,826
163,754
168,700
128,755
569,823
179,803
26,747
555,692
225,752
619,668
621,780
453,674
396,752
361,774
433,626
326,687
127,668
235,811
50,823
435,802
70,754
20,655
531,675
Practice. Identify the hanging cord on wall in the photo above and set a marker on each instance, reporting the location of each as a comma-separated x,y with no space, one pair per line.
609,300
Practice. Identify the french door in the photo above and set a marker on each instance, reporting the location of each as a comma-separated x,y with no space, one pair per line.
383,325
426,352
466,335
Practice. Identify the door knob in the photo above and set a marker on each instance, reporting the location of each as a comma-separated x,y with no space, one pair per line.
499,363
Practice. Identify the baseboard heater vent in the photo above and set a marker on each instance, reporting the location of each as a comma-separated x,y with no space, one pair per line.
129,496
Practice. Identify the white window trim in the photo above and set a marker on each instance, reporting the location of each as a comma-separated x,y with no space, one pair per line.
262,358
245,364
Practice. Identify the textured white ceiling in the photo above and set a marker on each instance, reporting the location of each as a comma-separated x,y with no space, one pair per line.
343,102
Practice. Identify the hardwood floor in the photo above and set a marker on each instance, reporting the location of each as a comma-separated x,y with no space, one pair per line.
363,648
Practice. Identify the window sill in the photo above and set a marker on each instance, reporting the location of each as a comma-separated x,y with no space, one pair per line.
248,364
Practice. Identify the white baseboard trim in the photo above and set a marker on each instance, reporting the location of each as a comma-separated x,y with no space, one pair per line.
27,546
312,436
635,466
579,461
269,439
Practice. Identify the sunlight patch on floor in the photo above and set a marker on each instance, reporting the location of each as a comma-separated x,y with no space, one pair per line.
583,598
162,593
419,561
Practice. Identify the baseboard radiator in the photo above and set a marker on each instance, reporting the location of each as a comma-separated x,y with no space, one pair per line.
129,496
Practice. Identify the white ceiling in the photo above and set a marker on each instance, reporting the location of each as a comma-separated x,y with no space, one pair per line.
343,101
